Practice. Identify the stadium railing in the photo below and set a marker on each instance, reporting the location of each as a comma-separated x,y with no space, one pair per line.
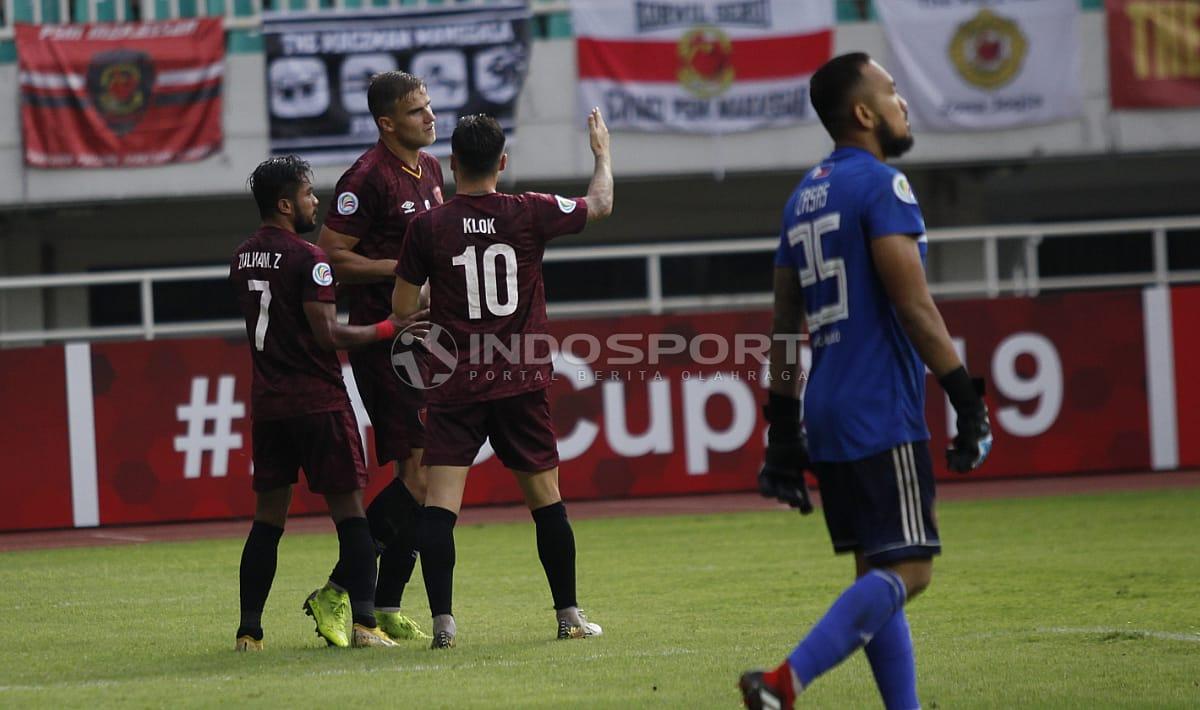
247,14
238,14
1022,278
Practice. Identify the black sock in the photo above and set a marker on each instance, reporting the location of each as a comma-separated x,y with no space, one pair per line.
395,571
556,550
259,557
357,560
395,518
437,557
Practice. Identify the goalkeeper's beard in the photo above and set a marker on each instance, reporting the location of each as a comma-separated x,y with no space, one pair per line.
892,144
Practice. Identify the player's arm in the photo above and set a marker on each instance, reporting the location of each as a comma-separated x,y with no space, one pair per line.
600,190
332,335
350,266
406,298
782,473
897,259
786,327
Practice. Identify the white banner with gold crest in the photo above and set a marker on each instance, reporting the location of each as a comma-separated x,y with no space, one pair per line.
985,64
700,66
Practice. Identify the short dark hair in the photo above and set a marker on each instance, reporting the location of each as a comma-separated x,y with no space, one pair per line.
387,88
478,143
276,179
832,86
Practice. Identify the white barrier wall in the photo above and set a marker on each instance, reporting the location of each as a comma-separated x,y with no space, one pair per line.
550,143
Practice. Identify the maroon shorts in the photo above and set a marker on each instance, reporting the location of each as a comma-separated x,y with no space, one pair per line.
519,427
326,445
393,406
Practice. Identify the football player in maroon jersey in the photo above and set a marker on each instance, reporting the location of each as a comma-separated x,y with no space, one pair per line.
301,412
482,255
363,233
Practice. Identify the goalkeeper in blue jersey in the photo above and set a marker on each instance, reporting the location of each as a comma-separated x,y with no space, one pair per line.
851,263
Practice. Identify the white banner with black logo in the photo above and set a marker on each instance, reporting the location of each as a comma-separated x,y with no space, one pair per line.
473,60
985,64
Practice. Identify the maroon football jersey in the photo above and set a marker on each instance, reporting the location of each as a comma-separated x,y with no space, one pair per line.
374,202
483,258
273,273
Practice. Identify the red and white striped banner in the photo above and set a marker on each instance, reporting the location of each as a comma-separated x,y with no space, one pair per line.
120,95
700,66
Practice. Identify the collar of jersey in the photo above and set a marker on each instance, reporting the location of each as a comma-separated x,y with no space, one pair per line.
403,165
849,151
279,230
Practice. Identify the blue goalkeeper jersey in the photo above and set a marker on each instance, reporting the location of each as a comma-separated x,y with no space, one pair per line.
866,389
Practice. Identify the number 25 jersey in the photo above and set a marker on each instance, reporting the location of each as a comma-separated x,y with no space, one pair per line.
866,388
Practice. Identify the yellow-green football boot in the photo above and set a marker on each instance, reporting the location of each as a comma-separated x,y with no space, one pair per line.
398,626
330,610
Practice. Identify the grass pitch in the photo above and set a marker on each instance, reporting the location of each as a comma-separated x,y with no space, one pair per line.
1087,601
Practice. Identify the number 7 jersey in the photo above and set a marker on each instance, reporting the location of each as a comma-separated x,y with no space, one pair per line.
482,255
866,389
273,273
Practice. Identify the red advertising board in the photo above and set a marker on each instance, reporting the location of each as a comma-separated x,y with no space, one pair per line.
36,471
1153,53
1066,382
643,406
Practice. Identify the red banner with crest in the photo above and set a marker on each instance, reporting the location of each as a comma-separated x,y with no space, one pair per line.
120,95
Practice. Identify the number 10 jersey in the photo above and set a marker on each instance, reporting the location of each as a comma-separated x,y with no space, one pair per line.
482,255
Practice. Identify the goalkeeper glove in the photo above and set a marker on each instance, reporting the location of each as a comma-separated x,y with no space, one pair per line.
782,474
973,442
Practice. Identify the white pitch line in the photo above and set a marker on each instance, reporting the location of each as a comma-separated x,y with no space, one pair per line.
1160,635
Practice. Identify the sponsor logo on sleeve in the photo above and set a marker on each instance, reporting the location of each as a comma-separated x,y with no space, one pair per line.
322,274
347,203
564,205
903,190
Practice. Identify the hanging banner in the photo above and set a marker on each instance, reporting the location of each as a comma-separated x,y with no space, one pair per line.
120,95
1153,53
700,66
473,60
985,64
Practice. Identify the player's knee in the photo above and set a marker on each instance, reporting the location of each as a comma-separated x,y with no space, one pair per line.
271,507
918,579
916,574
345,505
415,477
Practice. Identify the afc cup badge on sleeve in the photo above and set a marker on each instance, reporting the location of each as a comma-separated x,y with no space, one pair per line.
347,203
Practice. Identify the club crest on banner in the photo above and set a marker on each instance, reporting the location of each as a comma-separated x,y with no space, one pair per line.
119,83
706,61
988,50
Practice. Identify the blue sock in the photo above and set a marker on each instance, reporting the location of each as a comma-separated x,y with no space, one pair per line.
853,619
891,655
